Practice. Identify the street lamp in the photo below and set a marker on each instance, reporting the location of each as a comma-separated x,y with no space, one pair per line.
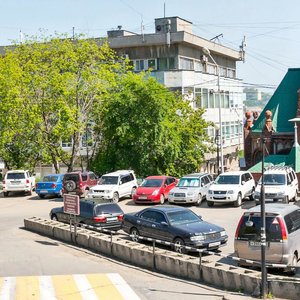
207,52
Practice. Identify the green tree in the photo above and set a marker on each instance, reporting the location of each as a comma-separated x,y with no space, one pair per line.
149,129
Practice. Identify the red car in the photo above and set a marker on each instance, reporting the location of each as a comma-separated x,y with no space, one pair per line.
154,189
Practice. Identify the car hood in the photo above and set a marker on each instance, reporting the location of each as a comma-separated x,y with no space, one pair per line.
104,187
178,189
271,188
146,190
223,187
199,227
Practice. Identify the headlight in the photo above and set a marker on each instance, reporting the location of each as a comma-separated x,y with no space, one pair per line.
190,193
223,233
210,191
155,193
171,194
230,192
197,238
107,191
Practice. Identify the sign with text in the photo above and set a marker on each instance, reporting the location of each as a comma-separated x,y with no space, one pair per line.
71,204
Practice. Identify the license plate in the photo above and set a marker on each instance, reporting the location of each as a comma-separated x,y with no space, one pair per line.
143,197
15,182
214,244
111,219
43,192
254,244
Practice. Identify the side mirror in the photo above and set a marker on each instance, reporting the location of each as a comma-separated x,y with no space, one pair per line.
163,223
202,183
200,217
120,182
243,182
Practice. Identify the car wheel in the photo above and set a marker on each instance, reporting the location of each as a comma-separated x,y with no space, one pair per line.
238,201
133,190
41,196
30,192
135,234
70,185
291,271
115,198
162,199
286,199
179,245
54,217
251,197
5,194
210,203
199,199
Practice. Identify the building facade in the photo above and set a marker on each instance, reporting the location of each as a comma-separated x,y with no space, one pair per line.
178,59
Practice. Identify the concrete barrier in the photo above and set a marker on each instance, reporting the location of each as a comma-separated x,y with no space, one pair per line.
200,269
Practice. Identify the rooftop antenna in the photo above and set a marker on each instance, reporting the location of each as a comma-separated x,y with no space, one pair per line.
217,37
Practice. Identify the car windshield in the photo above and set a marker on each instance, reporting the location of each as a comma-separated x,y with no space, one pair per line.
15,176
182,217
228,179
50,178
152,183
109,180
250,229
110,208
273,179
189,182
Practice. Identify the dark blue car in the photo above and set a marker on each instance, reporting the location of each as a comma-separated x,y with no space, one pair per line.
174,224
50,185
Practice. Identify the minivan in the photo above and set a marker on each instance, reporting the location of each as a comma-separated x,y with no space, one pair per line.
282,235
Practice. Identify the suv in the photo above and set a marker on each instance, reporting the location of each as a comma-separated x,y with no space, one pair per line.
93,212
18,181
78,183
231,187
115,185
280,183
191,188
282,235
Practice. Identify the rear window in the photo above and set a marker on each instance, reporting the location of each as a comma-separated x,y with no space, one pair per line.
110,208
15,176
273,230
74,177
50,178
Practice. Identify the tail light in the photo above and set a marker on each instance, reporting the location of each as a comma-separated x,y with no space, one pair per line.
53,185
27,181
100,219
120,217
80,184
282,227
239,226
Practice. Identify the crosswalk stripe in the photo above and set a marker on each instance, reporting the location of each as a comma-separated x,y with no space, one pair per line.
125,290
86,291
65,287
27,288
46,288
103,287
8,289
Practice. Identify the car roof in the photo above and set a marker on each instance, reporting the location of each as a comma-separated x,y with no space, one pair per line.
167,208
117,173
54,174
157,177
97,201
276,208
234,173
194,175
16,171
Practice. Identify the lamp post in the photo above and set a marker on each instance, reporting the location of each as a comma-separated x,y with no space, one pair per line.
217,141
207,52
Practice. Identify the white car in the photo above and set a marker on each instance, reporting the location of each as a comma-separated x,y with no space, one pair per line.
18,181
280,183
191,188
231,187
115,185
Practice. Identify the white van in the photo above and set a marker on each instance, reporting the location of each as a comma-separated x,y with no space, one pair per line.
281,184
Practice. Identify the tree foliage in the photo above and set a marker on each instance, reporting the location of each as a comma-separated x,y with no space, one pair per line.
149,129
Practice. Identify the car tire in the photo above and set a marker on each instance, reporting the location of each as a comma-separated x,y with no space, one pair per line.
134,234
5,194
70,185
199,199
179,246
41,196
30,192
133,190
251,196
286,200
54,217
115,198
238,201
210,203
162,199
291,271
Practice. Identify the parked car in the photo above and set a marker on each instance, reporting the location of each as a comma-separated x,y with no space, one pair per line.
18,181
192,188
51,184
115,185
154,189
231,187
282,235
174,224
78,183
95,212
280,183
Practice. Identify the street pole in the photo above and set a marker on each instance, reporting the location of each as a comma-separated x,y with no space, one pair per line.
263,226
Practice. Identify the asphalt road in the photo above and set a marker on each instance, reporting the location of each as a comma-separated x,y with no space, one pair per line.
24,253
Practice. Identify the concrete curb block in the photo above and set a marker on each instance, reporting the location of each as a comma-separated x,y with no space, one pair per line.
171,263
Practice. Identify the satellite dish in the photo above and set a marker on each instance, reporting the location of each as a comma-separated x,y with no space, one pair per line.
158,28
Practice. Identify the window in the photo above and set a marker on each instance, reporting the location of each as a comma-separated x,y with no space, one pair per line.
152,64
139,65
165,63
92,176
204,103
292,221
198,65
67,143
186,64
84,177
85,209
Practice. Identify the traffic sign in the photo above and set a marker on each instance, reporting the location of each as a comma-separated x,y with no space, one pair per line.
71,204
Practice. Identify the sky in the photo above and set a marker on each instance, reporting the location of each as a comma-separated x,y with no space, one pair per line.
271,27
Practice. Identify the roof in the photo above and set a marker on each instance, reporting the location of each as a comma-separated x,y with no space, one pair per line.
117,173
168,208
194,175
158,177
234,173
276,208
283,104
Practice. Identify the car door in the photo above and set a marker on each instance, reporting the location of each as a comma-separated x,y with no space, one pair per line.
170,182
204,184
123,186
93,179
161,228
147,224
